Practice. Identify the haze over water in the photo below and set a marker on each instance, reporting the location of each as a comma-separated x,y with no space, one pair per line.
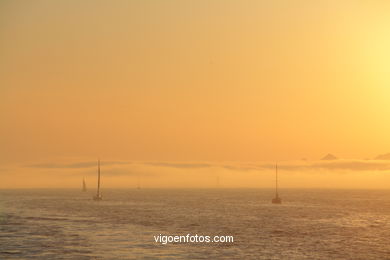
192,81
311,224
181,97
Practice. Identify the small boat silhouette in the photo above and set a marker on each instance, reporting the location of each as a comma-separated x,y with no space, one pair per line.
277,199
98,195
84,186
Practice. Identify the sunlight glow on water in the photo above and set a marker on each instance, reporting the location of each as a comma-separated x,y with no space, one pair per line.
310,224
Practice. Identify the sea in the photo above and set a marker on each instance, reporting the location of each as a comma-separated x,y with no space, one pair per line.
309,224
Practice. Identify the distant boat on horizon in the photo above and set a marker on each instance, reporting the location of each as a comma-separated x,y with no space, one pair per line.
277,199
98,195
84,185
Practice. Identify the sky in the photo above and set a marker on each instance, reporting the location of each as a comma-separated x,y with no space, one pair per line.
145,85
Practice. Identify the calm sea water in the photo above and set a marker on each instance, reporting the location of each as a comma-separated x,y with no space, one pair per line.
311,224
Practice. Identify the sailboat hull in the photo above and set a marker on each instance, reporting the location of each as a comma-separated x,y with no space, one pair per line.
97,197
277,200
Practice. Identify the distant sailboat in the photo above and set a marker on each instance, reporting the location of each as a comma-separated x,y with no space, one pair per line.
277,199
84,185
98,196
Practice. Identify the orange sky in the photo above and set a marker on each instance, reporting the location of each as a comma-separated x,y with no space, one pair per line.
192,81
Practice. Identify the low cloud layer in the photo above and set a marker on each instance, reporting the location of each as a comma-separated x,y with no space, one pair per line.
180,165
339,173
77,165
118,167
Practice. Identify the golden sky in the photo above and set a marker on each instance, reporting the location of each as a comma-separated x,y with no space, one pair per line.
192,81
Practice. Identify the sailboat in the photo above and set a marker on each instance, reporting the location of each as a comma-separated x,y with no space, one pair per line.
98,196
277,199
84,185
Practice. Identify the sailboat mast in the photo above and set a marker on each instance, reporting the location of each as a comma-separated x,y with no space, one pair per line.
276,189
98,189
